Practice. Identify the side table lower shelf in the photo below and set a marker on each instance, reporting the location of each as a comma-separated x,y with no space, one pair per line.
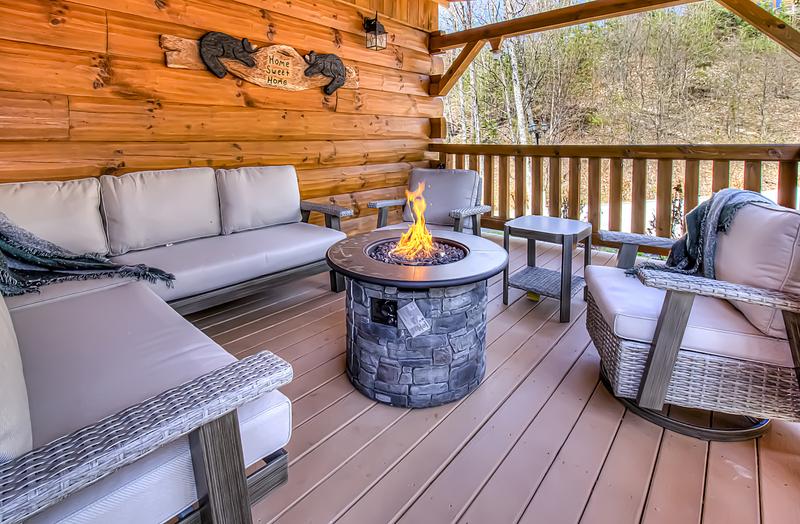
542,281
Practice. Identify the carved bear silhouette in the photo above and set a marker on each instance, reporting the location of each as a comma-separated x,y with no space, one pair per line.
326,65
215,45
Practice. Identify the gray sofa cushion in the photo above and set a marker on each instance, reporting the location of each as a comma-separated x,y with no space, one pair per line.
65,213
253,197
15,419
155,208
445,190
212,263
104,351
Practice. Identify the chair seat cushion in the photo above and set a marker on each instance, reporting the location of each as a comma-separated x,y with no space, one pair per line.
715,327
211,263
104,351
15,419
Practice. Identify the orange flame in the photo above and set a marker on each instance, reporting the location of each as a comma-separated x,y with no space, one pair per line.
417,242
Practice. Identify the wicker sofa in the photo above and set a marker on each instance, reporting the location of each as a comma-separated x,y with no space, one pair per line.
131,414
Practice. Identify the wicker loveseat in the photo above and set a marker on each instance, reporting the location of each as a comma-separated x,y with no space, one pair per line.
730,345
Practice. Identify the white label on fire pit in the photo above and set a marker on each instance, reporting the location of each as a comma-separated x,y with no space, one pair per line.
413,320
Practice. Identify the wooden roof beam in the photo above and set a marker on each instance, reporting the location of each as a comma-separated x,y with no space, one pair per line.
767,23
443,85
557,18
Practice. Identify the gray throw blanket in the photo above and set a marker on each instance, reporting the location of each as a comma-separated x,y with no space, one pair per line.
28,262
694,252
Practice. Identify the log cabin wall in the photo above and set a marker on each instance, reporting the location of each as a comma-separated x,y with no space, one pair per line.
84,91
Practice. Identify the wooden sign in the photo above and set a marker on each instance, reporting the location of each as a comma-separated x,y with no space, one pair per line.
277,66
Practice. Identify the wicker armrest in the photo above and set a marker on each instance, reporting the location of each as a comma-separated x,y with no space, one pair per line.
465,212
326,209
637,239
380,204
719,289
44,476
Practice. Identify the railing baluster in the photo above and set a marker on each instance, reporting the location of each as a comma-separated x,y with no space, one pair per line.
450,161
488,181
691,185
787,183
664,198
473,162
520,187
503,187
574,188
638,195
537,188
594,195
721,176
554,198
752,175
615,195
459,161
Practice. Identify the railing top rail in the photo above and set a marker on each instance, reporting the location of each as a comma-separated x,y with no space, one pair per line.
764,152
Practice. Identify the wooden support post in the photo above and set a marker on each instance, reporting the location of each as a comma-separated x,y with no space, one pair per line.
594,199
664,198
721,175
752,175
520,187
219,472
574,188
488,182
554,198
503,188
664,351
615,195
537,185
445,83
769,24
638,195
787,184
691,185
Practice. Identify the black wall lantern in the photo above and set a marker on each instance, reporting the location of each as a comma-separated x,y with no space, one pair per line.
376,34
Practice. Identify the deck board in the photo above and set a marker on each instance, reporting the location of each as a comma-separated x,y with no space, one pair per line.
540,441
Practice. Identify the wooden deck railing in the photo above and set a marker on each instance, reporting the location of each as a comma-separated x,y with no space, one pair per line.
520,179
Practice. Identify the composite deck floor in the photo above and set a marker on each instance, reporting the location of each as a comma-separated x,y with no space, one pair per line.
540,440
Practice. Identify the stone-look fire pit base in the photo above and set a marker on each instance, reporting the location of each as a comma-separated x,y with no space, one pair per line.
444,364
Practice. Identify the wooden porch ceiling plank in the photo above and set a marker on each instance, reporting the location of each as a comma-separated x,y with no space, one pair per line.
457,68
554,19
769,24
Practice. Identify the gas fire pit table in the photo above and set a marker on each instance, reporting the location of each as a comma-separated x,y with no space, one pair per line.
416,334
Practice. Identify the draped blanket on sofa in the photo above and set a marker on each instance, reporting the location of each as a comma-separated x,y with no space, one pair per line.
28,262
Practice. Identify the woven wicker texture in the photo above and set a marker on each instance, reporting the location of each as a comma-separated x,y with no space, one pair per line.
635,239
719,289
545,282
699,380
465,212
327,209
378,204
48,474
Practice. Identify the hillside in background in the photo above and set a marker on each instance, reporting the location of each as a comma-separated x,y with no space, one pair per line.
690,74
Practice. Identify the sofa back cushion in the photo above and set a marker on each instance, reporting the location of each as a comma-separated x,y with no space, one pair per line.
15,418
65,213
445,190
155,208
762,249
253,197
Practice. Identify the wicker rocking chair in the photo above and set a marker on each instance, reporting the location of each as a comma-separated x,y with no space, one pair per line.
668,338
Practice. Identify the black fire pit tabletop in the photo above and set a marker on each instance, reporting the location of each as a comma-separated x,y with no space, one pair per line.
484,259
